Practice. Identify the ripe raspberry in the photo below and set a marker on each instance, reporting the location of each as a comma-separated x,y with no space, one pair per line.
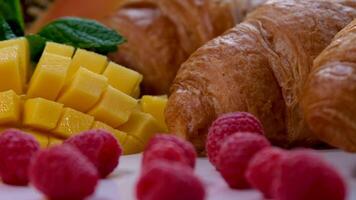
263,168
101,148
63,173
16,152
227,125
304,175
235,155
163,180
186,146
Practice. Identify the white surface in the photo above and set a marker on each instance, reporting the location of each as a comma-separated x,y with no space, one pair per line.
121,184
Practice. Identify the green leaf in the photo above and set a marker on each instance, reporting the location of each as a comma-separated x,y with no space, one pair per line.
83,33
11,11
37,44
5,30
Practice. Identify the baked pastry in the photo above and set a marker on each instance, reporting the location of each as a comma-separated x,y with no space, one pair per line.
259,66
161,34
330,93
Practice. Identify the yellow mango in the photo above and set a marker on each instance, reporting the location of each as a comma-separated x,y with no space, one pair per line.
41,113
84,90
142,126
49,76
92,61
119,135
133,145
24,54
10,72
137,92
155,105
10,108
41,138
54,141
73,122
114,107
59,49
122,78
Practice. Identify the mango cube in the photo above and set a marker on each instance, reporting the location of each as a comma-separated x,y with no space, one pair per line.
119,135
73,122
10,72
114,107
92,61
41,138
122,78
132,146
41,113
59,49
24,54
49,76
54,141
142,126
137,92
155,105
10,108
84,90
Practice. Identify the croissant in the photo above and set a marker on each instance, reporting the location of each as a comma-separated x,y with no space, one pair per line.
161,34
330,92
259,66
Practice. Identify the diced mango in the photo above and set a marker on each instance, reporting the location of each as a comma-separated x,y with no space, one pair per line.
119,135
42,138
137,92
133,145
155,105
114,107
24,54
41,113
54,141
10,72
142,126
84,90
73,122
89,60
10,108
59,49
49,76
122,78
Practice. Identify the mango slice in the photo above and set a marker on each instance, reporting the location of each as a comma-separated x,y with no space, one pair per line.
49,76
155,105
122,78
92,61
42,138
54,141
133,146
24,55
119,135
59,49
84,90
10,108
10,70
114,108
41,113
137,92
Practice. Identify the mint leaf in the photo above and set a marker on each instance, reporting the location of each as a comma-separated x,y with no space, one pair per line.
11,11
82,33
5,30
37,44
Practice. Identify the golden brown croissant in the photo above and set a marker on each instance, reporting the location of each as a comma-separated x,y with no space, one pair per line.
330,94
161,34
259,66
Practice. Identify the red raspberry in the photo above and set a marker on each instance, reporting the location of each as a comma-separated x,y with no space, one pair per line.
263,168
63,173
101,148
16,152
163,180
186,146
227,125
304,175
235,155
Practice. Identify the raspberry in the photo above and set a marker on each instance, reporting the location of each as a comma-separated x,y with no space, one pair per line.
263,168
100,147
304,175
16,152
187,147
164,180
63,173
235,155
227,125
